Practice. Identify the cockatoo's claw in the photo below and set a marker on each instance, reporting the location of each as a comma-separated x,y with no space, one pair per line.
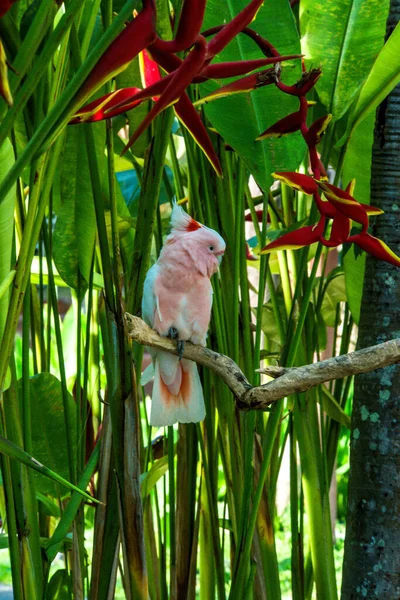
173,333
180,347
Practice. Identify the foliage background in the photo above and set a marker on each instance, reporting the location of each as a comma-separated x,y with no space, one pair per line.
190,510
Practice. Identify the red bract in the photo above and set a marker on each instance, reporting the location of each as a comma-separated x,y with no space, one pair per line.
298,181
345,203
375,247
288,124
317,130
136,36
149,71
140,37
293,240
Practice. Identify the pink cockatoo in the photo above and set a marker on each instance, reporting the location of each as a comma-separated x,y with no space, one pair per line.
177,300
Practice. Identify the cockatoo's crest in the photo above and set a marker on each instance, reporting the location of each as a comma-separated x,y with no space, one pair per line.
181,221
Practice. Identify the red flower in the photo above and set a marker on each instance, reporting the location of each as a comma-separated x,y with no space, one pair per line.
140,37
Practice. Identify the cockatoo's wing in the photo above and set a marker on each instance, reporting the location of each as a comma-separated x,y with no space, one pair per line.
150,302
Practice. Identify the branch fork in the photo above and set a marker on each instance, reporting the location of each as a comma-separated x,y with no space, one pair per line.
285,382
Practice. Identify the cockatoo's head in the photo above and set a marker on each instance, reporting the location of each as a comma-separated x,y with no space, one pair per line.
204,245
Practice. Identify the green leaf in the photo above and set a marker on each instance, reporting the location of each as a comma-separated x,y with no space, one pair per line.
358,159
382,79
7,281
333,408
75,230
149,479
54,544
268,321
37,272
6,233
49,440
344,37
335,292
57,588
354,270
51,507
14,451
239,119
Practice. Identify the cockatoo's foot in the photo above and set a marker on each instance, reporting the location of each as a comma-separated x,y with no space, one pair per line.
180,347
174,335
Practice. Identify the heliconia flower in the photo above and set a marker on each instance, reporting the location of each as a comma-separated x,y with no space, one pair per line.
113,104
350,187
244,84
187,114
149,71
138,34
369,209
297,238
231,29
302,87
288,124
241,67
325,208
176,86
298,181
265,46
341,227
375,247
317,130
4,85
345,203
372,210
190,22
168,62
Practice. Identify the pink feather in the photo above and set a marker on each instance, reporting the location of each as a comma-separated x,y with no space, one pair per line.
178,293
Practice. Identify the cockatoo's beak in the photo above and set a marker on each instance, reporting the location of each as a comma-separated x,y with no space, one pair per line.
219,256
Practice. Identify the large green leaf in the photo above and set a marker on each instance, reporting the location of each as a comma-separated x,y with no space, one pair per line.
15,452
354,270
357,164
242,117
6,232
344,37
383,77
75,231
49,440
335,292
332,407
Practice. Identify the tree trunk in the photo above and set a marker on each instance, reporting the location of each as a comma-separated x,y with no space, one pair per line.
372,548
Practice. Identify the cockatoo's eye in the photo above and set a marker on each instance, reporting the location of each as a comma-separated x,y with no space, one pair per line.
211,248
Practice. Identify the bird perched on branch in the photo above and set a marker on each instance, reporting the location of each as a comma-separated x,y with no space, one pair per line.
177,300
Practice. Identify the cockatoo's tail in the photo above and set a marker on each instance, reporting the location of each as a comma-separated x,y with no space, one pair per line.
178,297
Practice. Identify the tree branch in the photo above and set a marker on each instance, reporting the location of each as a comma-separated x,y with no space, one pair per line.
286,382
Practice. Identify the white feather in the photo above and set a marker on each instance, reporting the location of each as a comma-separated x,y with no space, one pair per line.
161,414
180,220
150,301
168,365
147,375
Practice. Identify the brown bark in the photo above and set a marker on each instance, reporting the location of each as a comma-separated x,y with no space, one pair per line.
372,547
